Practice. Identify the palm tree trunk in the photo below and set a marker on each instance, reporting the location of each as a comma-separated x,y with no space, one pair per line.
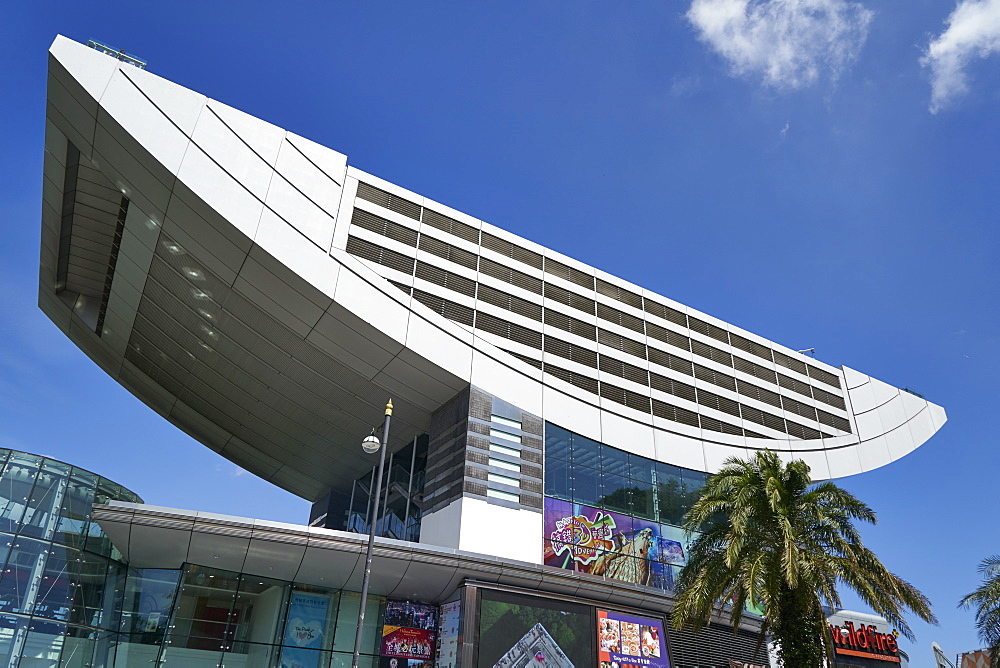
799,630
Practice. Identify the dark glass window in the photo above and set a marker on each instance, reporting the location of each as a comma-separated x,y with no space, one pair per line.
586,452
586,485
614,461
617,494
640,468
557,481
557,442
642,499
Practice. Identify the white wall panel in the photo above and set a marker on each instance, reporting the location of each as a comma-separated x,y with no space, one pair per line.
921,426
862,398
88,68
129,175
891,413
505,383
343,218
522,531
221,192
230,154
882,391
181,105
900,442
302,214
679,450
450,348
874,453
332,163
262,137
844,461
443,526
287,247
854,378
627,435
911,404
937,413
144,122
869,425
384,313
571,413
716,455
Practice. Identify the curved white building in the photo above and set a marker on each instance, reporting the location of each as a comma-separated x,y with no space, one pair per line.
267,298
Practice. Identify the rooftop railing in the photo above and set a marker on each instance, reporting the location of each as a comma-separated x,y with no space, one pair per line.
117,53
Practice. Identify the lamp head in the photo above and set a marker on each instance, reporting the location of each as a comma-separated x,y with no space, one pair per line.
371,444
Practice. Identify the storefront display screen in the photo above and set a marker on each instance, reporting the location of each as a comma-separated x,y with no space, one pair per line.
529,632
624,641
448,635
408,631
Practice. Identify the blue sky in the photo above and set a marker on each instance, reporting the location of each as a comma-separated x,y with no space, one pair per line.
823,173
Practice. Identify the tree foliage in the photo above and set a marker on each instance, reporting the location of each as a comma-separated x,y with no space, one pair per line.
773,540
986,601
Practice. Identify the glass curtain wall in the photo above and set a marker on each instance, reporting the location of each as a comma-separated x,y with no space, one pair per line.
584,471
60,575
402,494
201,617
612,513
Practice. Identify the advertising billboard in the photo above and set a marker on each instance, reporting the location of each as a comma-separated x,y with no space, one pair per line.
624,641
518,631
409,632
448,635
304,630
600,542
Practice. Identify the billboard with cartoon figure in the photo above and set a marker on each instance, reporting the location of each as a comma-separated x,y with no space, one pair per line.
600,542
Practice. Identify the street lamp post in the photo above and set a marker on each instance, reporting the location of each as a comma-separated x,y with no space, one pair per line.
370,445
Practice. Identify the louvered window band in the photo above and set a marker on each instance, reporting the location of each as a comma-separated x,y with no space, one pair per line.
588,282
610,365
386,228
388,201
366,250
451,310
451,226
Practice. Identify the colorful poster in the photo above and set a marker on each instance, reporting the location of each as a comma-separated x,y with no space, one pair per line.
407,643
600,542
410,615
624,641
447,656
409,634
304,630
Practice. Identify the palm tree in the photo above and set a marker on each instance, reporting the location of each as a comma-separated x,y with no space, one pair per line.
774,540
986,600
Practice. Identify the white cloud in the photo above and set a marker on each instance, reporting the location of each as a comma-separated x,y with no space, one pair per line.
973,31
788,43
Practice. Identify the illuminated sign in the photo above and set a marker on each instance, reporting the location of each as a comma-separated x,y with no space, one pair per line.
630,642
865,641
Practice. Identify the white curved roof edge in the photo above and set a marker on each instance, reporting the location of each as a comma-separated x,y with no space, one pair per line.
159,537
234,163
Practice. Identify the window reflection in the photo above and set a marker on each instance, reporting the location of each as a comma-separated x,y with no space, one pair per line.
596,474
